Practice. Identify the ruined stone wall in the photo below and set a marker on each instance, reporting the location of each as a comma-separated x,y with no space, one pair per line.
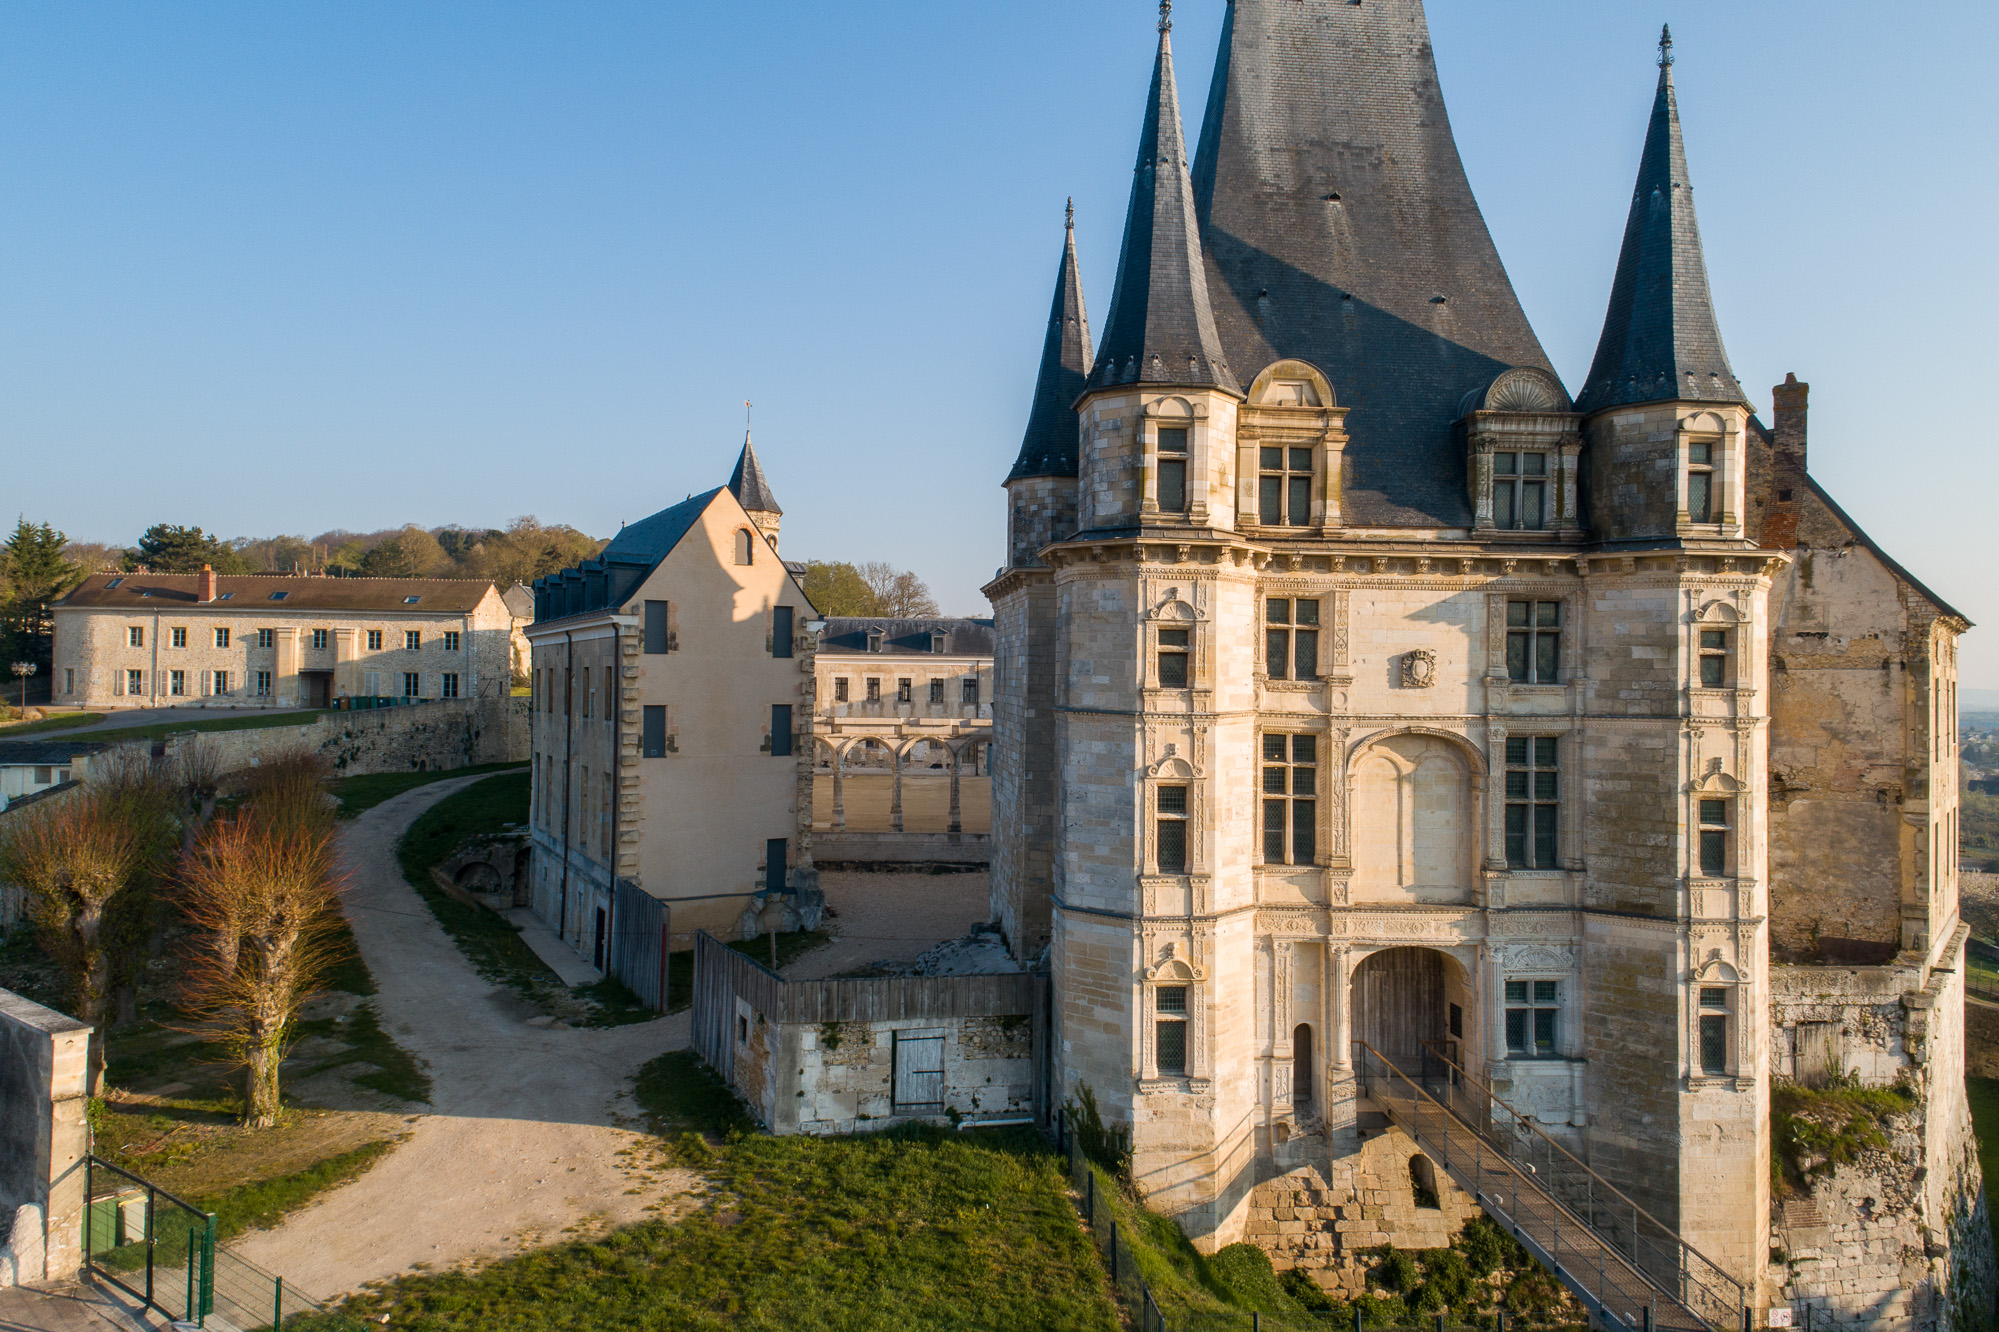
44,1137
845,1073
1898,1237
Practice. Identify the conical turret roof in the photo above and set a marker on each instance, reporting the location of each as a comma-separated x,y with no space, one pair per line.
1339,228
1049,448
1661,342
748,483
1161,329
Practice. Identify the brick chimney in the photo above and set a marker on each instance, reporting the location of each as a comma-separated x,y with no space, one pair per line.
1787,428
205,589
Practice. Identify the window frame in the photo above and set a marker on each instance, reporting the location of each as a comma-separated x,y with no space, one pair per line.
1176,1015
135,636
1513,485
448,687
969,692
1714,829
451,640
905,689
1535,808
840,689
1285,813
1301,639
1173,662
221,637
1536,638
260,685
1172,807
412,684
177,637
374,640
412,640
135,683
1721,656
219,682
1706,465
1714,1012
1286,487
781,742
319,640
1534,1004
1173,456
937,692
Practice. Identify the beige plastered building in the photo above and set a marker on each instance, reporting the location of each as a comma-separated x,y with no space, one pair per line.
1361,694
140,640
672,731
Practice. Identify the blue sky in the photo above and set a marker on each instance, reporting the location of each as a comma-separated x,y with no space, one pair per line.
286,268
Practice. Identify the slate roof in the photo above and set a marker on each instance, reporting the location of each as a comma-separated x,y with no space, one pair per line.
748,483
55,753
1339,228
1161,329
848,636
1049,447
247,593
650,540
1661,342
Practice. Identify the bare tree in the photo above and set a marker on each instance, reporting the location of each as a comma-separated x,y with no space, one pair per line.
897,593
263,895
74,856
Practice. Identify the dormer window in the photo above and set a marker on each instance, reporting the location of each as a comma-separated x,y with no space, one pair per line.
1173,469
279,596
1285,499
1700,483
407,601
1520,491
113,583
875,637
226,596
936,642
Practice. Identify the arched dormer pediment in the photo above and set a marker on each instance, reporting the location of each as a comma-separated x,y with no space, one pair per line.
1173,609
1704,423
1292,384
1173,768
1718,612
1176,971
1715,782
1173,409
1717,972
1521,389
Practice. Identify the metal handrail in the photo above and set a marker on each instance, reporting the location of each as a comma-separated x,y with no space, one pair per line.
1486,1091
1627,1299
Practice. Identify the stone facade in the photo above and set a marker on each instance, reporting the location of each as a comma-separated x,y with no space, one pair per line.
44,1136
903,724
199,640
660,674
1341,718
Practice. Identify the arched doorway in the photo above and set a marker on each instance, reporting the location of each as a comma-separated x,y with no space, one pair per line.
1405,997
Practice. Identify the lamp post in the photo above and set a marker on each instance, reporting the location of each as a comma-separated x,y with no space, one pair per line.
22,670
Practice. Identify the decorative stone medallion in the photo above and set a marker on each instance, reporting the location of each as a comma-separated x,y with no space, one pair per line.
1419,669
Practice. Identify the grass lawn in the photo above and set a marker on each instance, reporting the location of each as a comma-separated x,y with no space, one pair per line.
912,1228
359,794
63,722
493,946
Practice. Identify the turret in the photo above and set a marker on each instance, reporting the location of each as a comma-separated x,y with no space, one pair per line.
1041,488
1159,405
1665,415
753,491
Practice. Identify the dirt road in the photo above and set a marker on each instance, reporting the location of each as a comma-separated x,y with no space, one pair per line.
524,1142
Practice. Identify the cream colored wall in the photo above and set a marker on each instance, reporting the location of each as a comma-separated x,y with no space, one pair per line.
693,823
93,650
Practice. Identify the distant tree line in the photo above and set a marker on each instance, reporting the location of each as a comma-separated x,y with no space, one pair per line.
39,565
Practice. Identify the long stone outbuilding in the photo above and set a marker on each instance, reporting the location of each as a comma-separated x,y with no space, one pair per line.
1364,699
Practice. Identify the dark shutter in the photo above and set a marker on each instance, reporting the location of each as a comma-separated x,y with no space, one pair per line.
655,730
780,730
780,631
777,873
655,628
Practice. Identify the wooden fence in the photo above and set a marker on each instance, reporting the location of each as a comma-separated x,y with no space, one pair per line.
722,975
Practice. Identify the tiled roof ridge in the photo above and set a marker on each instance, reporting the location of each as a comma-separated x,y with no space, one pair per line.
1661,341
1161,328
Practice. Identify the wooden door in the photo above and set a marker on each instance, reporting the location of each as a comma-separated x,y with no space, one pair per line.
919,1069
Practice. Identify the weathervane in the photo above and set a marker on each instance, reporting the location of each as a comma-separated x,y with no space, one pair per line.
1166,15
1665,45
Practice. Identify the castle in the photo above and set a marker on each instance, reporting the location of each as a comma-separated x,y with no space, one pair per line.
1361,696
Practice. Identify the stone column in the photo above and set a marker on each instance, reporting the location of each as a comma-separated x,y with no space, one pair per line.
956,825
895,788
1340,985
839,793
1494,1009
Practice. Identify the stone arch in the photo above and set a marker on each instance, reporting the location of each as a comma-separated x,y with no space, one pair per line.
1704,423
1401,999
1291,383
1174,409
1414,818
1423,1183
1521,389
1718,612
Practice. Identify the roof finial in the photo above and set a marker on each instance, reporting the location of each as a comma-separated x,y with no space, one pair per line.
747,410
1665,45
1069,214
1166,15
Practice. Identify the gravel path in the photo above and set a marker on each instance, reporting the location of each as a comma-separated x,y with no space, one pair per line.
526,1139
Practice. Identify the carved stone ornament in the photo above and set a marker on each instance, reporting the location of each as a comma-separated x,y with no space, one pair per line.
1419,669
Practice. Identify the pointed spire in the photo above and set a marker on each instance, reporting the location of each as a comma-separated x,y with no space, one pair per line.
1049,448
748,484
1161,328
1661,342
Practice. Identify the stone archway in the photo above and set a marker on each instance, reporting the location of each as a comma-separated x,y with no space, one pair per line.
1404,997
